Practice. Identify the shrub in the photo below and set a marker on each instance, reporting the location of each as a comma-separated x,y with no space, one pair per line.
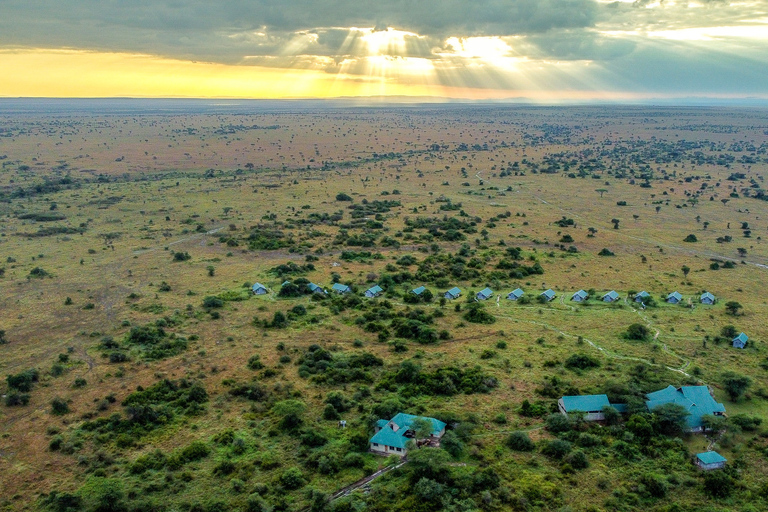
476,314
581,362
556,449
292,478
254,362
195,451
59,406
654,484
181,256
605,252
718,484
690,238
14,398
557,423
23,381
519,441
211,302
637,332
577,460
80,383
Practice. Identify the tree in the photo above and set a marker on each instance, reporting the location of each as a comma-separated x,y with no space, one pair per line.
601,191
671,419
686,270
690,238
728,332
714,423
733,308
341,196
742,251
615,223
422,428
735,385
279,320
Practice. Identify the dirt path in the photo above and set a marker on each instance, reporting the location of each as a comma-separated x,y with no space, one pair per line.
363,482
607,352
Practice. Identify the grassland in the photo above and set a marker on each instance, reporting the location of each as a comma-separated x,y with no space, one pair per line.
99,214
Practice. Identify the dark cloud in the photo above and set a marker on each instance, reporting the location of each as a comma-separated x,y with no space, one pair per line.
578,45
209,30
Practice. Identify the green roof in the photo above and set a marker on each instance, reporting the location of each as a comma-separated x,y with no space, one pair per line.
394,436
585,403
454,292
710,457
695,399
580,295
418,291
486,293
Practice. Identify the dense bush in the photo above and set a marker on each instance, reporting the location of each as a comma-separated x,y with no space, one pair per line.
324,367
23,381
520,442
638,332
410,380
581,362
478,315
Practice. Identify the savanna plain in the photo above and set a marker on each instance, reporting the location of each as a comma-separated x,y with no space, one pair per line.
140,372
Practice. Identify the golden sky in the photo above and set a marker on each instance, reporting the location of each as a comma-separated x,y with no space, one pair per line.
545,50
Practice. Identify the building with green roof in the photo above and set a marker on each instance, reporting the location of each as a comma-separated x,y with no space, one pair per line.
391,436
697,400
710,460
593,406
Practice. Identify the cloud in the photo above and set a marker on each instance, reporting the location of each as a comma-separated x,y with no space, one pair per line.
209,29
522,43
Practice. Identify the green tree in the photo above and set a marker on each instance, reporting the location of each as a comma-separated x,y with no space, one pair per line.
671,419
735,385
733,308
421,427
686,270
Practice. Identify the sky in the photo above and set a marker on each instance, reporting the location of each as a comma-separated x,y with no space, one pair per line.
542,50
